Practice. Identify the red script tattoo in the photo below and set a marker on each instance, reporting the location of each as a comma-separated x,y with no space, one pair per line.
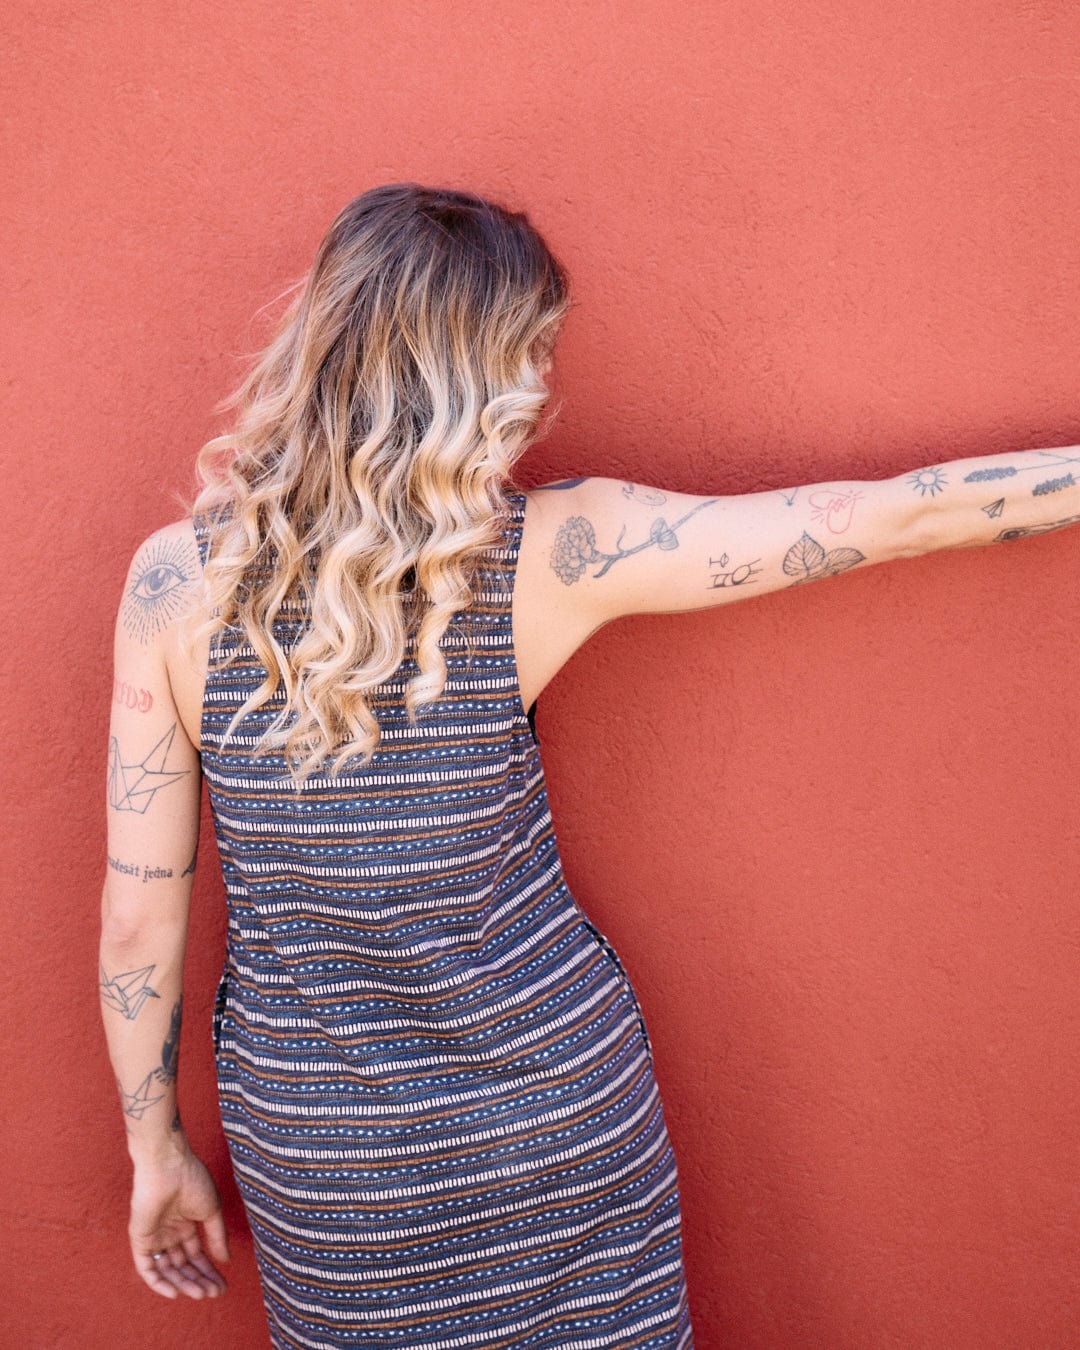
130,697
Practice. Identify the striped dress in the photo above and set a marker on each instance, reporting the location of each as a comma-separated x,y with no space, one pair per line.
436,1083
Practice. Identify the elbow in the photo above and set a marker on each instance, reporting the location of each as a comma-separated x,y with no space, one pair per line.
921,531
128,923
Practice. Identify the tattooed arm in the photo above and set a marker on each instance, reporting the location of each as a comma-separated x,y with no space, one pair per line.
636,549
152,811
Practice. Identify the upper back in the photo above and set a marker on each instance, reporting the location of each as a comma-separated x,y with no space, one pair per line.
547,620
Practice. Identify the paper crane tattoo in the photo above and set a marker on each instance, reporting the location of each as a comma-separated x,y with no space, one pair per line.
132,786
129,991
135,1103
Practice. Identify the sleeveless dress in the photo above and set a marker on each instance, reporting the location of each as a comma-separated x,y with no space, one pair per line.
435,1079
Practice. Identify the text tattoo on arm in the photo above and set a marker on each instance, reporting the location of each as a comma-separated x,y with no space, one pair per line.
162,577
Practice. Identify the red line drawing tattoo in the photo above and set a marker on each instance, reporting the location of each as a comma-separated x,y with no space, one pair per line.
834,508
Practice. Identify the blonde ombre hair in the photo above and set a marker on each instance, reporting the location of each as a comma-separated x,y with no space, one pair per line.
364,480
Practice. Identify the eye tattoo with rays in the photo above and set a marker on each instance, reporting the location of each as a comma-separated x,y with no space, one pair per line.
163,572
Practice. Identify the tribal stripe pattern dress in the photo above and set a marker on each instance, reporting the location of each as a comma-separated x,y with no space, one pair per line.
435,1079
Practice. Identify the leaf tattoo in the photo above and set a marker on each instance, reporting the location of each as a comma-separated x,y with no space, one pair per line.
806,560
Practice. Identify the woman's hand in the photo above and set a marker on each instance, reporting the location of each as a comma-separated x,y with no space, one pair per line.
168,1202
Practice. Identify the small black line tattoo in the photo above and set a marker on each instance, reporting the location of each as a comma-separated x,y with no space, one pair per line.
806,560
735,576
163,572
649,496
129,991
995,508
575,544
132,786
789,497
190,868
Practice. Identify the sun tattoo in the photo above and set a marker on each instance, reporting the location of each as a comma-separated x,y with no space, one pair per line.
925,481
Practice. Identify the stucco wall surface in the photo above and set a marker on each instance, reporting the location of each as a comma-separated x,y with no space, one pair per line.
832,831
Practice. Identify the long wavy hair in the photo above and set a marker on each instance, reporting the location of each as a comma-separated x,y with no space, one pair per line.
364,481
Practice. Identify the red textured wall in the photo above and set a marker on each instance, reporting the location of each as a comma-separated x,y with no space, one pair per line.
832,831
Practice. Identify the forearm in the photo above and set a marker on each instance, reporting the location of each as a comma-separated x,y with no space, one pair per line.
140,977
992,499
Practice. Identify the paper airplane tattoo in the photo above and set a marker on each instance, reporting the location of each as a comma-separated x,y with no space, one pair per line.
132,786
129,991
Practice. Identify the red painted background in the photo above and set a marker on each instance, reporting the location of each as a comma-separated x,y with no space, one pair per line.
833,830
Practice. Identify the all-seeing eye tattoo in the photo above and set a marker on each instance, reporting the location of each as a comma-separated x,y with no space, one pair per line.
163,573
575,544
1022,531
132,786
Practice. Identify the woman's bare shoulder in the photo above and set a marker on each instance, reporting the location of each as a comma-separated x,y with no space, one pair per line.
162,581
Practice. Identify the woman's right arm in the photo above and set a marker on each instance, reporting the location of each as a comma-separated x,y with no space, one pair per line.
627,548
153,791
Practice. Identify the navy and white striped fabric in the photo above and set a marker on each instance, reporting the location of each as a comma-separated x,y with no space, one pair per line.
435,1079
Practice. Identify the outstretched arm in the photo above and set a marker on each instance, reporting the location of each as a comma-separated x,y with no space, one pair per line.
633,549
153,823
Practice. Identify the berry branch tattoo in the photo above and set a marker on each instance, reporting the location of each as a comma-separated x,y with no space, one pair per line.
575,544
1051,459
163,572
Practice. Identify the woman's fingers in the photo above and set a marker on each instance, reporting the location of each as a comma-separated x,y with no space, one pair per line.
202,1263
216,1243
171,1271
193,1281
147,1268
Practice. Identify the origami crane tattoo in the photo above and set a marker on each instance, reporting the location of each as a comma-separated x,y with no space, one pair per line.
129,991
135,1103
132,786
